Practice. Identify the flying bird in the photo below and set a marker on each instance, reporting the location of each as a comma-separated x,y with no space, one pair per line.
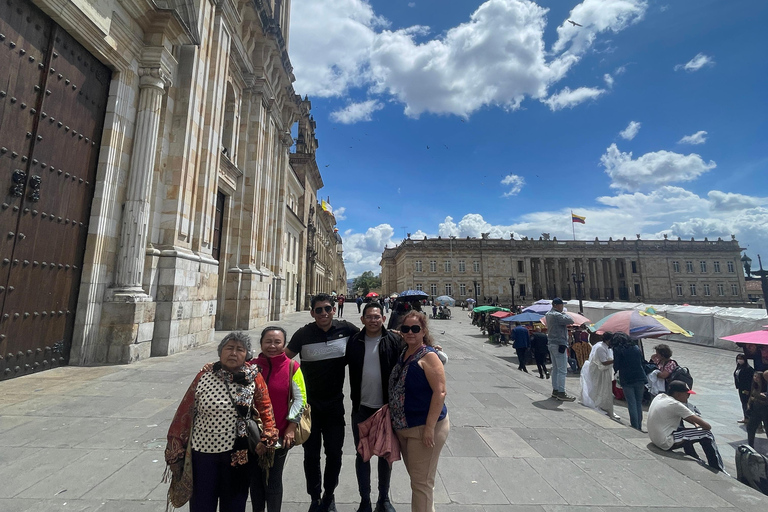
574,23
328,165
427,147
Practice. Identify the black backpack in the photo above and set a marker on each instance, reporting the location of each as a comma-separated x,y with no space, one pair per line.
681,373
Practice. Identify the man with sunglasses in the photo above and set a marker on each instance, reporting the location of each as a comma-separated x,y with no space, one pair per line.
371,355
322,345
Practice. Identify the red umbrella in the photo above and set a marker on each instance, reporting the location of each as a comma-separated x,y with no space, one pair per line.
501,314
372,295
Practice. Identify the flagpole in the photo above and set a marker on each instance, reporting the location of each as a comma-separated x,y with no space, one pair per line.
573,226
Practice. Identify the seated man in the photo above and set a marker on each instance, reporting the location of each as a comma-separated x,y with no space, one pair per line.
667,431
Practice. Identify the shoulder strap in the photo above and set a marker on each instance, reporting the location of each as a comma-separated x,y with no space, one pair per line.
231,399
291,371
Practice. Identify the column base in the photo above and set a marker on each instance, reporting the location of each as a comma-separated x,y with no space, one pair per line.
125,332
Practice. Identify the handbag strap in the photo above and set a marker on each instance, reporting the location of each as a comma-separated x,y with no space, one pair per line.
231,399
291,371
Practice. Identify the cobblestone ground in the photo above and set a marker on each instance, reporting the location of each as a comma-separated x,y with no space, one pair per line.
92,439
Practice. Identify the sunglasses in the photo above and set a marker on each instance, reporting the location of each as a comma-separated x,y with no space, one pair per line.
415,329
319,310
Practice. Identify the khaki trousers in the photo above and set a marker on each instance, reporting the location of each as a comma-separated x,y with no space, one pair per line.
421,463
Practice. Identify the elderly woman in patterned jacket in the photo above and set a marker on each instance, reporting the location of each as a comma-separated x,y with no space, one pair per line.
211,416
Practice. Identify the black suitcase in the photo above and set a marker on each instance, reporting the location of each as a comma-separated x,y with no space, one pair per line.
752,468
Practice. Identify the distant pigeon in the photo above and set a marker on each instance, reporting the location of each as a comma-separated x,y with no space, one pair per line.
574,23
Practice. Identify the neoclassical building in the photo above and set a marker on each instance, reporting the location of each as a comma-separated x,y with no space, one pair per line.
653,271
152,188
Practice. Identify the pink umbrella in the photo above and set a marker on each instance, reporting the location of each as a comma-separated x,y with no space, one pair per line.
753,337
577,319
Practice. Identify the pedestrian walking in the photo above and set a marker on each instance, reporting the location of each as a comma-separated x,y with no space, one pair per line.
539,344
359,302
521,343
322,345
340,304
557,335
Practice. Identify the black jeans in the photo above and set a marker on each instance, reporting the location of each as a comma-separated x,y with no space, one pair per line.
328,430
268,490
541,361
522,354
216,482
363,469
757,415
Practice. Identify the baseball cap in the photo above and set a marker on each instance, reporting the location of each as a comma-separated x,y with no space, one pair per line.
557,300
678,386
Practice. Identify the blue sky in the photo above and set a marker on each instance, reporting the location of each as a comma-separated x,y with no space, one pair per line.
465,117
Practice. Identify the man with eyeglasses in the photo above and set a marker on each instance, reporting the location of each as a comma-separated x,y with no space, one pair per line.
322,345
371,355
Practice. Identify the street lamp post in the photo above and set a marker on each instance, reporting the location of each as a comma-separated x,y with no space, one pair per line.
512,288
475,284
578,280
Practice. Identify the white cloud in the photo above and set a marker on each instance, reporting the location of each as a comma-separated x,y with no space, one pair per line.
411,4
699,137
495,58
362,251
608,80
355,112
651,169
728,201
338,213
570,98
515,181
596,16
630,131
696,63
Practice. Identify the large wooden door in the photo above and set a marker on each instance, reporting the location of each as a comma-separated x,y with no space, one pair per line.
53,96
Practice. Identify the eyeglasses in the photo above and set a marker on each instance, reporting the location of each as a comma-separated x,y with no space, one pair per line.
415,329
319,310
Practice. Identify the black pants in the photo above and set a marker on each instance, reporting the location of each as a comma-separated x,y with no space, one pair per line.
328,430
541,362
363,469
757,415
341,310
522,353
744,397
216,482
687,437
267,486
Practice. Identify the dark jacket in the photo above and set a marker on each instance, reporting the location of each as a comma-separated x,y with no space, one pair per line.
390,347
539,343
628,361
744,381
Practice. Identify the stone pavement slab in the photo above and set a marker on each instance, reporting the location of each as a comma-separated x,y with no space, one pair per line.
92,439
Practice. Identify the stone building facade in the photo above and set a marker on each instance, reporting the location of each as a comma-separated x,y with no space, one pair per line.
655,271
194,212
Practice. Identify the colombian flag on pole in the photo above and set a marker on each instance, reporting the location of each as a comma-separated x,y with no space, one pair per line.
578,218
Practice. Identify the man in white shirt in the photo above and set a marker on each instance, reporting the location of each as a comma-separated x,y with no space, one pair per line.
666,430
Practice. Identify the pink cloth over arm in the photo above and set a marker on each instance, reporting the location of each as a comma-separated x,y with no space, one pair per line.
377,437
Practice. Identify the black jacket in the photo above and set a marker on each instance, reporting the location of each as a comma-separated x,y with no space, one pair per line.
744,381
390,347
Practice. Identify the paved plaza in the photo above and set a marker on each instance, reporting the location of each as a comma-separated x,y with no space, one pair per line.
92,439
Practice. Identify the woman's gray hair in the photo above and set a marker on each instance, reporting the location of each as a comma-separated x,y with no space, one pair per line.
240,337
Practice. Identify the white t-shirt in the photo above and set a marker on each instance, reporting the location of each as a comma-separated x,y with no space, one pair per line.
371,393
664,417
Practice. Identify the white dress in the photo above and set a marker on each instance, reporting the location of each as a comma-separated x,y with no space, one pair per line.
596,379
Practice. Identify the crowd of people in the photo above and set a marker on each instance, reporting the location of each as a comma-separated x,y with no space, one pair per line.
232,431
238,420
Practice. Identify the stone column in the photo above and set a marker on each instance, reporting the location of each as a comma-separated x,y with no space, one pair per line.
614,279
542,282
133,235
600,268
558,277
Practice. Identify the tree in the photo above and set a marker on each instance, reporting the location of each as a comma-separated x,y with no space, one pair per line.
366,282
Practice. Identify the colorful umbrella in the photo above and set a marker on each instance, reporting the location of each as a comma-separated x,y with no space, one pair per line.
753,337
486,309
501,314
445,300
414,293
540,306
471,301
528,316
577,319
639,324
